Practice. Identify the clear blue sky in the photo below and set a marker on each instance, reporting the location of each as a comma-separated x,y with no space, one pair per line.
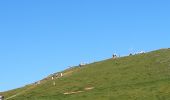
39,37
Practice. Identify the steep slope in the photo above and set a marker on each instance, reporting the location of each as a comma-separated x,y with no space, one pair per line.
138,77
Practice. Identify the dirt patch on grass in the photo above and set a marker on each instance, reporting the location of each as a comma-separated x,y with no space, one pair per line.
75,92
66,93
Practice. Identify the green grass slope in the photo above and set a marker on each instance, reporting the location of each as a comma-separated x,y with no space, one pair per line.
138,77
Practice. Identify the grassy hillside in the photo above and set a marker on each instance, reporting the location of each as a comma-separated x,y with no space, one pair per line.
138,77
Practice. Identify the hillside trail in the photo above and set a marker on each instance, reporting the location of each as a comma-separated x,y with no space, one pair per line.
22,92
67,73
31,87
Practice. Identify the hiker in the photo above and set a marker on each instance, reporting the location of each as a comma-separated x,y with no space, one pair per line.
61,74
1,97
114,56
54,83
130,54
56,75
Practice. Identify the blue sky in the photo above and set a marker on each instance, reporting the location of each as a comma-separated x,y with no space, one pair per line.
39,37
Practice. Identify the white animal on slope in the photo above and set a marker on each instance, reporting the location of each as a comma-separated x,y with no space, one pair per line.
140,52
82,64
52,78
39,82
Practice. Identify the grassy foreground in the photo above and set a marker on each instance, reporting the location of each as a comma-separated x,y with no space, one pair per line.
138,77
